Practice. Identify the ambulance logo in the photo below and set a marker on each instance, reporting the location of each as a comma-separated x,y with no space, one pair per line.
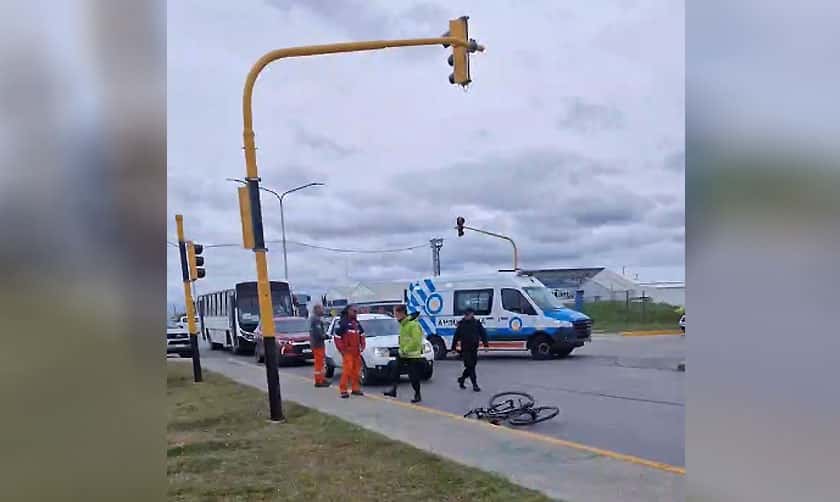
515,324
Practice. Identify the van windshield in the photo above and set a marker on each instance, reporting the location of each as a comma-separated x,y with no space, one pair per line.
380,327
544,299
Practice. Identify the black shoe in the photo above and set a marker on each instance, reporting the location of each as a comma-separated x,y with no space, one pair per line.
358,393
344,395
322,384
391,393
476,388
461,382
416,399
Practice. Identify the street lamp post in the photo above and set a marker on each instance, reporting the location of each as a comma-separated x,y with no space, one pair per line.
280,197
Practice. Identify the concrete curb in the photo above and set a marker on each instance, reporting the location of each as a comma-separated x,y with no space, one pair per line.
653,332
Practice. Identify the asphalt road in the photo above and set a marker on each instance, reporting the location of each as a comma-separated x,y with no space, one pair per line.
616,393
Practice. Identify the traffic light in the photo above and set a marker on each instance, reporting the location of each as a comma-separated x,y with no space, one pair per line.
459,222
459,60
195,260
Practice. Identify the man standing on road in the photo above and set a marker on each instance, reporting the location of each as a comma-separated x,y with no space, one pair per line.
350,341
410,353
317,335
469,333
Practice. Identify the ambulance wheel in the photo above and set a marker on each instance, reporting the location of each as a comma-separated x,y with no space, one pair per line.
541,348
439,347
329,372
562,352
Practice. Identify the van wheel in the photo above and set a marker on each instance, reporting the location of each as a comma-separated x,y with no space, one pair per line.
439,348
258,357
541,348
330,371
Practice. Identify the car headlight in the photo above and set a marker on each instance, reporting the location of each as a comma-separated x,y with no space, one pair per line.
427,347
381,352
564,324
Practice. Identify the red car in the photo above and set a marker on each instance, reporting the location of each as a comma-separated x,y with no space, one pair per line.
292,336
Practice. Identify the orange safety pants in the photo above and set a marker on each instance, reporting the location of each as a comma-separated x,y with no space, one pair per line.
318,352
351,366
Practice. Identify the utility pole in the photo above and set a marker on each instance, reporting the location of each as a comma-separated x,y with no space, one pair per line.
188,301
436,244
249,197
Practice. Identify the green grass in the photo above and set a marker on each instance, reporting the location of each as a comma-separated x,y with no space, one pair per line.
221,447
614,316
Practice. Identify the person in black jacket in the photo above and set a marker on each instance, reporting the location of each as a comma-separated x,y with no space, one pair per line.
469,333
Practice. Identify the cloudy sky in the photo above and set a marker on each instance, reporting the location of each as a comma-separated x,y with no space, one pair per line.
570,139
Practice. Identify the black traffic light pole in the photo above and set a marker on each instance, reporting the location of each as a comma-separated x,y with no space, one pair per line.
460,226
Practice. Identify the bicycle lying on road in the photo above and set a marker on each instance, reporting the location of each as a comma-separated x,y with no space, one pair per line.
515,408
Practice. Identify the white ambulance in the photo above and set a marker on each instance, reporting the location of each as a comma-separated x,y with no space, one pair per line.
517,310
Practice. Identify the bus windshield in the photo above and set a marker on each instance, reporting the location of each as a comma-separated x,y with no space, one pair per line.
544,299
248,304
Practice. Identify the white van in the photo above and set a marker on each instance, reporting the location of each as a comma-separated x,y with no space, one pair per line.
382,342
517,310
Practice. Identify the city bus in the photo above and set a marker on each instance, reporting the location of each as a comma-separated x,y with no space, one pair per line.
228,318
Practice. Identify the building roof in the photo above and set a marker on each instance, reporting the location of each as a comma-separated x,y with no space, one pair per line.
564,278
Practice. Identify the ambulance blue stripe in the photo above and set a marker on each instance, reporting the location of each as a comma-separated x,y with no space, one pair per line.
422,295
430,285
426,328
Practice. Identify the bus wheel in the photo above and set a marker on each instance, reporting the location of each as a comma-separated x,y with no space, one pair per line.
541,348
439,347
213,345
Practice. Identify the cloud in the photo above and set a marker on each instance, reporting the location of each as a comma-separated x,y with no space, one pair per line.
584,117
321,143
675,161
581,167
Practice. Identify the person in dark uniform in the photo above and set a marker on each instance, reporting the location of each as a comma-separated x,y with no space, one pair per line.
469,333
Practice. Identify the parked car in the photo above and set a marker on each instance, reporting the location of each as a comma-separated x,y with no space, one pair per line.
177,339
292,337
183,321
382,337
682,323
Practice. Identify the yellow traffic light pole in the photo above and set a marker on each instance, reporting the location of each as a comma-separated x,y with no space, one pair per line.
254,236
188,299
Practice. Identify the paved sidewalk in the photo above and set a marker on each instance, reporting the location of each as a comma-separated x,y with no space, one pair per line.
557,468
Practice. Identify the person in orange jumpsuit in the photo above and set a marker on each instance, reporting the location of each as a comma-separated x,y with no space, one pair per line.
350,341
317,335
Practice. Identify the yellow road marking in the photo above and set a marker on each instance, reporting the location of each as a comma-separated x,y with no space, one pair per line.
519,432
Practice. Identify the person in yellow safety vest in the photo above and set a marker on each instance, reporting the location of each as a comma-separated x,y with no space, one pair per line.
410,353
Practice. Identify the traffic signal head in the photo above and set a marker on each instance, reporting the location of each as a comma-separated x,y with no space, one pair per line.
459,222
195,260
459,60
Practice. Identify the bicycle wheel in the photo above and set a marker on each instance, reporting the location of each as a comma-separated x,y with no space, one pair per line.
534,415
513,400
477,412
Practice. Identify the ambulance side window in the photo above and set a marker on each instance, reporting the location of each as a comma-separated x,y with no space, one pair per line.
480,300
514,301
